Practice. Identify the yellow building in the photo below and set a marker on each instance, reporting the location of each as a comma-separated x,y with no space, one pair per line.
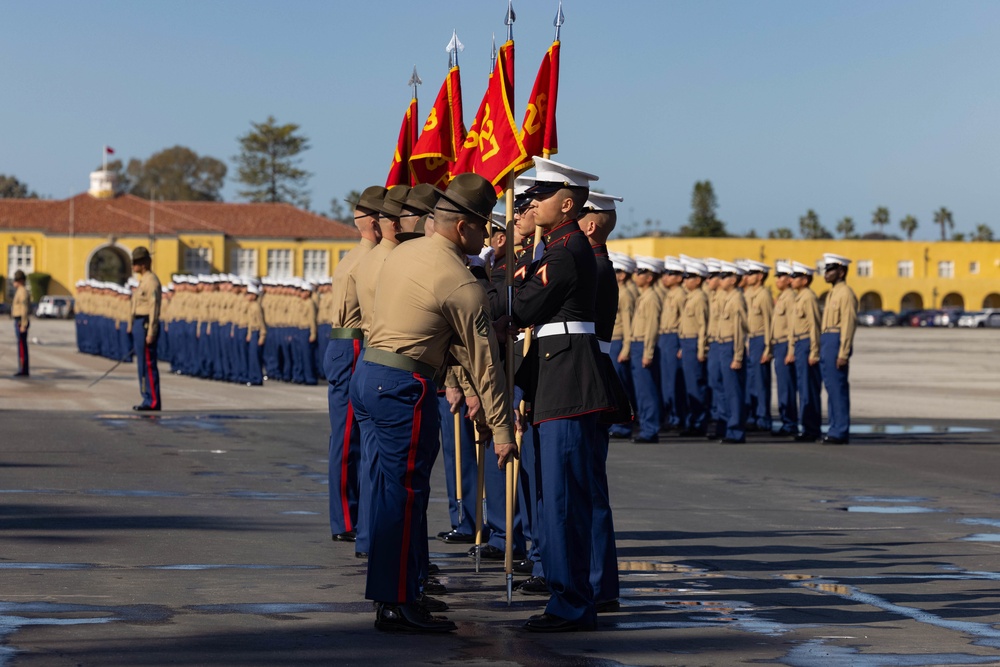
92,235
889,275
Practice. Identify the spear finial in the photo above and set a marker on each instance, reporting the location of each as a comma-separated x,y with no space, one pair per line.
454,46
414,80
559,20
493,57
509,20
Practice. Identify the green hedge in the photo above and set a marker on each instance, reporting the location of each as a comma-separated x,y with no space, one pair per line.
38,283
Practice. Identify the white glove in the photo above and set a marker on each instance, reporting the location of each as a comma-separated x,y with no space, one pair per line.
483,259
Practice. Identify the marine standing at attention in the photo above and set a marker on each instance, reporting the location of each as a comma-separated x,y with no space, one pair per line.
732,339
431,311
760,310
644,353
836,343
784,372
145,329
805,353
694,349
20,311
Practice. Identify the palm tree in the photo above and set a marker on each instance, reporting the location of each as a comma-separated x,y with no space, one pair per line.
846,227
943,217
908,225
880,218
983,233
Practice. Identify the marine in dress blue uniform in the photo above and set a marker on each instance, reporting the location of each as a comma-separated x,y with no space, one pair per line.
836,344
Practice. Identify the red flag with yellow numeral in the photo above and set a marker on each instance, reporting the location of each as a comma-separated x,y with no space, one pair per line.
493,145
399,172
538,131
436,150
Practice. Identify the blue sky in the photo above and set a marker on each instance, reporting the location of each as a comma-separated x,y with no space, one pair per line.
785,105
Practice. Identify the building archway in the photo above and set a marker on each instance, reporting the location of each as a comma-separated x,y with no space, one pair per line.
992,301
870,301
953,300
109,263
911,301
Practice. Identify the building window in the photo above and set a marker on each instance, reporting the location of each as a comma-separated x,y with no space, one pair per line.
946,269
244,262
279,263
974,268
198,260
864,268
315,264
20,257
904,269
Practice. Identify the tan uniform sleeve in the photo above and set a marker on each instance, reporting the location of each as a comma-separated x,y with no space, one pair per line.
767,314
466,310
648,312
701,316
738,313
812,316
154,313
848,324
627,303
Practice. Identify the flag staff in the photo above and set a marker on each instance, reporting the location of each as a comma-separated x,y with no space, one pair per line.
414,81
511,467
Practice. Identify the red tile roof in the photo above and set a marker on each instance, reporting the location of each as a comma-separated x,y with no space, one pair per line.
127,215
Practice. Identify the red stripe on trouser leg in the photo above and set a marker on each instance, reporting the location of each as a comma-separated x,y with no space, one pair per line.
149,378
404,555
346,450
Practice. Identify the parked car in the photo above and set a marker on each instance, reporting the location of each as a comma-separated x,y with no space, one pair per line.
993,320
924,318
905,318
55,306
947,318
877,318
976,319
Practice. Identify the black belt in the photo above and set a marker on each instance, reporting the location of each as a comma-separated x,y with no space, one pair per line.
346,334
399,361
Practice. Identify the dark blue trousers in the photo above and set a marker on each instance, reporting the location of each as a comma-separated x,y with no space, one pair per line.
149,374
564,460
604,553
345,436
759,385
784,375
647,393
527,492
717,389
671,380
23,367
810,387
838,387
695,385
467,438
400,408
255,373
624,372
734,384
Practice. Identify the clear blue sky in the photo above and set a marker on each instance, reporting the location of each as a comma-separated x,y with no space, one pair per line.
784,105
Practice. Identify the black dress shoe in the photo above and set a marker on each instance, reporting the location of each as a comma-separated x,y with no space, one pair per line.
784,434
361,554
432,585
524,566
432,568
487,552
733,441
550,623
639,440
608,606
455,537
409,618
432,605
834,441
349,536
145,408
752,428
691,433
534,586
620,436
806,438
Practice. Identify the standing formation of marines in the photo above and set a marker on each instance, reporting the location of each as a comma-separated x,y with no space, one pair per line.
696,342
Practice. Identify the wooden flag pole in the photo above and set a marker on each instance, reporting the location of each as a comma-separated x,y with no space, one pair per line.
458,464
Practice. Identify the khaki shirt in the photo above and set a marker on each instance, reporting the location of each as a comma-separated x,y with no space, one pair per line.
760,312
694,319
366,277
146,301
805,320
633,289
646,322
21,306
841,314
623,320
733,321
713,314
670,315
255,319
345,309
430,305
782,317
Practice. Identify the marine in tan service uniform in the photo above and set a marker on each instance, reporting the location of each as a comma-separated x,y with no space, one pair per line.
669,344
621,338
644,355
431,309
784,370
760,311
731,333
836,343
145,329
804,332
694,348
20,310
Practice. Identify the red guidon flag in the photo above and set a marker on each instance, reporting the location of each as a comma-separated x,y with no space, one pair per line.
399,172
436,150
493,145
538,131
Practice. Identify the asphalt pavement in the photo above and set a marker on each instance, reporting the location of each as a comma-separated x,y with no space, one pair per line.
199,536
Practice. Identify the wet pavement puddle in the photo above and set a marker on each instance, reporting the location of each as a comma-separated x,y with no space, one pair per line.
898,509
912,429
816,654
